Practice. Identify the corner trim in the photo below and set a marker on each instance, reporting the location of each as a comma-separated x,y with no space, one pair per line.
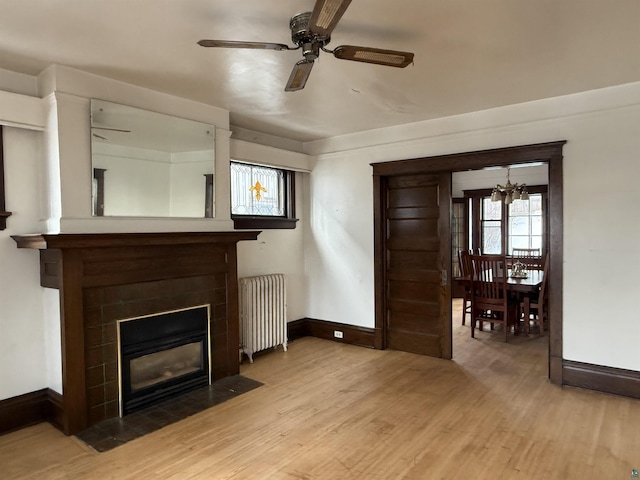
617,381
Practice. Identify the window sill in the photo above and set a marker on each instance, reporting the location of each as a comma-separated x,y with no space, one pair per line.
263,223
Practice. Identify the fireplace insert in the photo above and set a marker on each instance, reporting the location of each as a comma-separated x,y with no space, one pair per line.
163,355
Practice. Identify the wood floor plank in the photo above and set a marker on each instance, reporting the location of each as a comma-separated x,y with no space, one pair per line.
334,411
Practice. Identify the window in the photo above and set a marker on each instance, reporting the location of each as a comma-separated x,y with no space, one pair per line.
262,197
491,226
525,223
457,233
497,228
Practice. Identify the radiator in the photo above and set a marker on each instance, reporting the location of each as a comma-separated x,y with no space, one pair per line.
263,313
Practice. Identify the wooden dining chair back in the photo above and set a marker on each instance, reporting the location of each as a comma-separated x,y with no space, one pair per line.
525,252
465,270
490,302
538,306
530,257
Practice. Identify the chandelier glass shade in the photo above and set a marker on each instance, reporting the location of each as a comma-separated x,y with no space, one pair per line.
510,191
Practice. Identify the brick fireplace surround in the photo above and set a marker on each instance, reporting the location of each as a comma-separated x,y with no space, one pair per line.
102,278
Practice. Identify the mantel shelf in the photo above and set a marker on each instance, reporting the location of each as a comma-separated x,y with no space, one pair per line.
96,240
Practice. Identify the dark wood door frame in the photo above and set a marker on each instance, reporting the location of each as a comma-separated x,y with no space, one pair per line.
550,153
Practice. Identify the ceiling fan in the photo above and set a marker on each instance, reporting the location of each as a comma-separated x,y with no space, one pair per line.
311,31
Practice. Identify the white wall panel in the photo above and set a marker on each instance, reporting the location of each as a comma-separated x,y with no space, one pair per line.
601,227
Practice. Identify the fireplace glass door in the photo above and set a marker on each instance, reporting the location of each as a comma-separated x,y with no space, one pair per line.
162,356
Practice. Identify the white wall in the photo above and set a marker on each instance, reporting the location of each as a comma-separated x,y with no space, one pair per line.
601,197
23,344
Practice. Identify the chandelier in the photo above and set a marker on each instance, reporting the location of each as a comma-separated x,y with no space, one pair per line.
510,191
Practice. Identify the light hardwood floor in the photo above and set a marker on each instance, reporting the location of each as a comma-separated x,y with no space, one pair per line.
333,411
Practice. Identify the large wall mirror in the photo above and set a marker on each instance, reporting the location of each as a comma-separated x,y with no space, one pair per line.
147,164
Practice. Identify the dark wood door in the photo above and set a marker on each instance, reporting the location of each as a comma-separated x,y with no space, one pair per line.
417,264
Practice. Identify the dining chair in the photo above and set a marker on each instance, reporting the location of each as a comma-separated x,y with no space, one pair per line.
490,302
537,303
530,257
465,270
525,252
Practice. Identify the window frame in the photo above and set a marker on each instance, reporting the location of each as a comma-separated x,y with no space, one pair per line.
287,221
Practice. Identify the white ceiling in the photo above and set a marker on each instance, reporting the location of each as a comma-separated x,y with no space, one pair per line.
469,55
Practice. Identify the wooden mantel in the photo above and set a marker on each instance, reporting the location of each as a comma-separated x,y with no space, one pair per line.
103,277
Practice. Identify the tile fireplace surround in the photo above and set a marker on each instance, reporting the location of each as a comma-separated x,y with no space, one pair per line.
102,278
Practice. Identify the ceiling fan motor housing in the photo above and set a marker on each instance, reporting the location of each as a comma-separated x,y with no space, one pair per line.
305,39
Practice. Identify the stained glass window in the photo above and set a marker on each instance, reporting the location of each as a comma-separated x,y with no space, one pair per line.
257,190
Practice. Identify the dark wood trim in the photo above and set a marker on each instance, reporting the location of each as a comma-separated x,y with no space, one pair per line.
311,327
550,153
50,268
3,213
30,409
541,152
24,410
297,329
380,272
209,192
602,379
101,240
263,223
74,400
556,261
98,206
56,409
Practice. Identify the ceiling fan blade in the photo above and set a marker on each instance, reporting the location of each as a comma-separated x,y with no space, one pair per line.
326,15
299,75
391,58
236,44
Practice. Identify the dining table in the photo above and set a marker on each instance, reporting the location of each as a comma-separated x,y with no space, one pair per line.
523,287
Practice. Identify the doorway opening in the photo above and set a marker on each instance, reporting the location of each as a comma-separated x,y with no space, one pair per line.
482,222
383,173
